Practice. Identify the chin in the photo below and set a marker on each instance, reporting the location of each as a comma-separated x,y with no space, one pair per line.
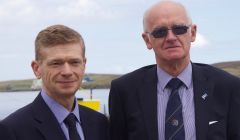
68,91
174,58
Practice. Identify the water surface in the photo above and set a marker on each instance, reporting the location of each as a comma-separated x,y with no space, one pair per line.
11,101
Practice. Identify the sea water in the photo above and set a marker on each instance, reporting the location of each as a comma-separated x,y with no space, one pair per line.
11,101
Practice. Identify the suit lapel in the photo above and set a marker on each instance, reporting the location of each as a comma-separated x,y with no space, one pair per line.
148,101
203,89
86,125
45,120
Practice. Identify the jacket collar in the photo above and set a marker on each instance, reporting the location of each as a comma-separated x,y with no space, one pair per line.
148,101
45,121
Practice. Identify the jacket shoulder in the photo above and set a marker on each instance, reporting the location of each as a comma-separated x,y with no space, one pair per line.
214,72
20,114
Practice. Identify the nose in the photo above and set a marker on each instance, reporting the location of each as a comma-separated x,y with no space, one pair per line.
66,70
171,36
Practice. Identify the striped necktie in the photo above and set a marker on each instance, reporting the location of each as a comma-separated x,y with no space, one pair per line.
174,127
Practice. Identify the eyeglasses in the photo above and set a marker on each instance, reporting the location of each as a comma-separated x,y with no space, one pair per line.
163,31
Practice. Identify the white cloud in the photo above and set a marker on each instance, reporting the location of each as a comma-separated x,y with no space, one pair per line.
34,11
15,11
15,7
200,41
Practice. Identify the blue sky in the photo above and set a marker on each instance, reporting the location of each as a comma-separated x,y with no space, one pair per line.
112,32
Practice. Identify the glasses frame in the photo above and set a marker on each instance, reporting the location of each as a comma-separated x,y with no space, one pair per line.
166,29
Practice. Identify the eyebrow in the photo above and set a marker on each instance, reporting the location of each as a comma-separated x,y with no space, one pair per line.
63,60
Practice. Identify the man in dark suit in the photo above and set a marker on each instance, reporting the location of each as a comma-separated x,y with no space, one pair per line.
55,114
174,99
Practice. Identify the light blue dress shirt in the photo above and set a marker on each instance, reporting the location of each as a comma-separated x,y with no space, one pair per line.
186,96
61,113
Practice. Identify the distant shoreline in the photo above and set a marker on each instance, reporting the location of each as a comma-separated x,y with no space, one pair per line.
97,81
91,81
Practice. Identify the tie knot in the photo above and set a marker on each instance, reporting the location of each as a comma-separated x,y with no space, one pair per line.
174,83
70,120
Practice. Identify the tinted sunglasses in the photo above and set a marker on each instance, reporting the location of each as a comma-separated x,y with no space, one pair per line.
163,31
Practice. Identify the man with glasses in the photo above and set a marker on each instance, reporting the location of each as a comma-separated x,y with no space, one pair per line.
174,99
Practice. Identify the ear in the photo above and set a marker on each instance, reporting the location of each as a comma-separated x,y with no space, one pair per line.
36,68
193,32
146,38
84,63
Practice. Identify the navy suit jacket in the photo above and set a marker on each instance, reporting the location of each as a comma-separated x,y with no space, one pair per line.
37,122
133,104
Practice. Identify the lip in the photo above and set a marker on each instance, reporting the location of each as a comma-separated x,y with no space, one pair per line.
172,47
66,81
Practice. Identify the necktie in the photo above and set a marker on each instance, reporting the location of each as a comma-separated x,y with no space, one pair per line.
70,121
174,127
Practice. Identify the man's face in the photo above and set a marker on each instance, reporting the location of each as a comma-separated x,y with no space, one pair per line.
61,68
172,47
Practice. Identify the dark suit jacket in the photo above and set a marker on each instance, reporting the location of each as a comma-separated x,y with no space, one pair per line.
36,122
133,104
4,133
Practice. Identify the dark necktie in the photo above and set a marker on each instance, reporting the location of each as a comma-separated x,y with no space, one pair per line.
174,127
70,121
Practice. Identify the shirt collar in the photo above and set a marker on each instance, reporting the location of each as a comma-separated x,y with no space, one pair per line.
58,110
185,76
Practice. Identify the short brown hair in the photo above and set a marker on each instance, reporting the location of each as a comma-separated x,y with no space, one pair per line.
57,35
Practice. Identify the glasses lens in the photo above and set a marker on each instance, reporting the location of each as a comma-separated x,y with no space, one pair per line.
179,30
163,31
160,32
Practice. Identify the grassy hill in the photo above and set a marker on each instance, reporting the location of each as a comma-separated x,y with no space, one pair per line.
102,80
231,67
96,81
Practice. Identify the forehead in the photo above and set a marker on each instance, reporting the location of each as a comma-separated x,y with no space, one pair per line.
167,14
67,51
